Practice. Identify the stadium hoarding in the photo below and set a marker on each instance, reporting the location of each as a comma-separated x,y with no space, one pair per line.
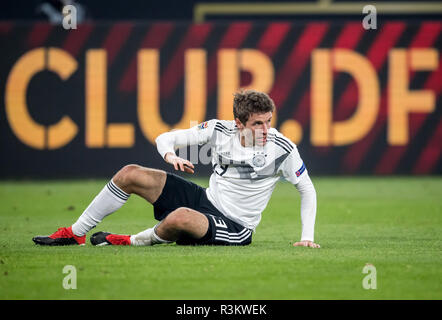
84,102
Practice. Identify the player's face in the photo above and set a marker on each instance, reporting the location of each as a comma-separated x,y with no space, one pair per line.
257,126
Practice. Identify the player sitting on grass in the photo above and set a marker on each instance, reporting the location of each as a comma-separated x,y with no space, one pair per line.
248,158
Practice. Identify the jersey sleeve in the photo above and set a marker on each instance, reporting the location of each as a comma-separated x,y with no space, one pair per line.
308,207
293,168
197,135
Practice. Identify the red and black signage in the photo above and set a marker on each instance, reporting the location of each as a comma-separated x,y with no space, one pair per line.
84,102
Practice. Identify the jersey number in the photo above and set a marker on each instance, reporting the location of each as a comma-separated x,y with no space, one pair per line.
219,222
223,169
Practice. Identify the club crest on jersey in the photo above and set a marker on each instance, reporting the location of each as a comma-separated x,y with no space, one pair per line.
259,160
203,125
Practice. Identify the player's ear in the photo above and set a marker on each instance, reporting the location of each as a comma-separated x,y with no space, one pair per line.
239,124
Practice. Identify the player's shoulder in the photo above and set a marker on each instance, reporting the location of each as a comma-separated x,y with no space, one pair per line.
229,124
227,127
281,141
218,127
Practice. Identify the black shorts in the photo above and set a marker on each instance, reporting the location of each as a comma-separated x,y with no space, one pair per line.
179,192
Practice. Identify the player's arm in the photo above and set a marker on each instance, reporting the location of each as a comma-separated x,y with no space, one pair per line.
293,169
307,192
168,142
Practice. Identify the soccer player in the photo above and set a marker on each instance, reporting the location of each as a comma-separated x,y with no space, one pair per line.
248,158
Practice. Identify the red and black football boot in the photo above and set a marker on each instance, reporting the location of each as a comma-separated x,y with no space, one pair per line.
105,238
62,237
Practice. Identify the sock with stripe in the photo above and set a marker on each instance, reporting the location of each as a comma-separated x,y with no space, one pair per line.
110,199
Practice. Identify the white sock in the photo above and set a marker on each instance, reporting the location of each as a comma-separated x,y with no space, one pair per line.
147,238
110,199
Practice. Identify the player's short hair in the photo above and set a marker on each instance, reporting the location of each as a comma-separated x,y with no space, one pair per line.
246,102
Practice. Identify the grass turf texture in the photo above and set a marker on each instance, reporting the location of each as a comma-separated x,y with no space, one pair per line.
393,223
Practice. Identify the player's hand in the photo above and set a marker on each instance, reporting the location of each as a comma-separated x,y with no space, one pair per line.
179,163
306,243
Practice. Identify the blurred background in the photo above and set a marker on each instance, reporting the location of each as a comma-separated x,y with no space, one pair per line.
86,90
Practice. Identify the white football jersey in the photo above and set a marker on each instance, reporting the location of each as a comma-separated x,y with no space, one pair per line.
243,178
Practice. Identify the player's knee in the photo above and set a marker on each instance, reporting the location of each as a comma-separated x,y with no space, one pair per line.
179,219
126,175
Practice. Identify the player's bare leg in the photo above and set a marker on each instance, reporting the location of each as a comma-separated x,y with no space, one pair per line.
145,182
183,222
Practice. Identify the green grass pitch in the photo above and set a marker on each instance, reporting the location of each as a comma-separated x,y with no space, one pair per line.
393,223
